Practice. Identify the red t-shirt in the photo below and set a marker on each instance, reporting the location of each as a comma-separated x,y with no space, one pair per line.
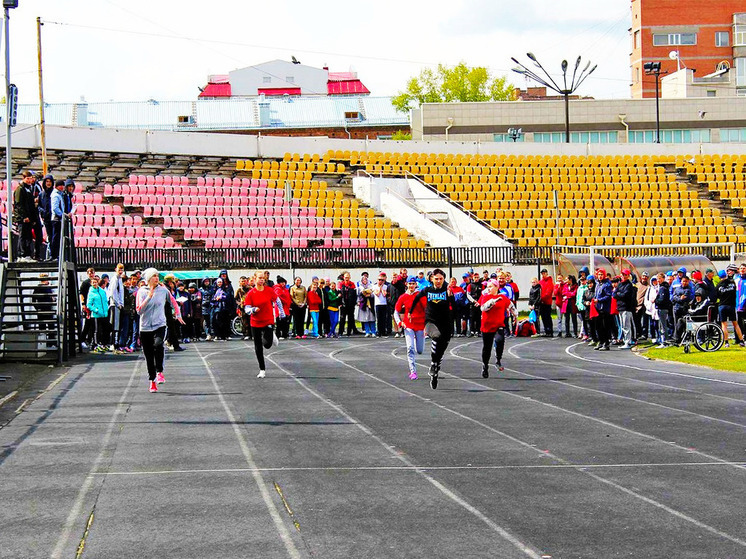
314,300
403,303
263,299
283,294
495,317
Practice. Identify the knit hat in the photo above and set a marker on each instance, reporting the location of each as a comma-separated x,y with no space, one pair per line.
626,272
697,275
722,274
149,273
585,270
280,279
732,268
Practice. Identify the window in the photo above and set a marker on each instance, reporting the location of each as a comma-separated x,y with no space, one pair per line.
637,39
503,138
712,93
674,39
267,79
739,36
740,72
734,135
290,79
670,136
577,137
722,39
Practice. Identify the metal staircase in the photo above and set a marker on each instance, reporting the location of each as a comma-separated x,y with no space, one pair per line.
40,307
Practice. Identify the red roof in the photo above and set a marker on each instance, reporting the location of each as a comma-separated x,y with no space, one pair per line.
216,90
279,91
346,87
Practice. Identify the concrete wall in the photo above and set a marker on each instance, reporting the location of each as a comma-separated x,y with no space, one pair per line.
478,122
233,145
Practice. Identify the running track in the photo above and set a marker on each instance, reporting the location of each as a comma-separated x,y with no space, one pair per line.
337,454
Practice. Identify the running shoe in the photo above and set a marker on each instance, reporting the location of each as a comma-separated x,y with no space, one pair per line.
275,340
726,344
153,387
485,371
261,374
159,378
433,375
413,375
500,366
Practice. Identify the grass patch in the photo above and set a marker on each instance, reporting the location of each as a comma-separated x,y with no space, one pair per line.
726,359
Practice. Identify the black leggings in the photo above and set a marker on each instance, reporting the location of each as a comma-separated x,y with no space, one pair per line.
490,338
571,315
152,347
263,338
440,343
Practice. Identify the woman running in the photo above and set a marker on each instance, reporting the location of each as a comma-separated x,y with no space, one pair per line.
495,307
260,304
438,319
152,299
414,323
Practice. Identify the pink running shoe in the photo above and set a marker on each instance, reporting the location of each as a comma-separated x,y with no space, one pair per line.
153,387
159,378
413,376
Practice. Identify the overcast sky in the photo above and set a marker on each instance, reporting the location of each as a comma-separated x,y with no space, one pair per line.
164,49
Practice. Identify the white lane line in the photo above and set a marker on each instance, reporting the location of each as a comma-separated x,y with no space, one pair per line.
588,417
282,529
75,511
640,381
8,397
417,469
502,532
548,454
612,394
645,369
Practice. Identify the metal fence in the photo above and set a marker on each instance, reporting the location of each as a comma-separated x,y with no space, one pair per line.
201,259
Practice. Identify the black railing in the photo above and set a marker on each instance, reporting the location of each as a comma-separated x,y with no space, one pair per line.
191,258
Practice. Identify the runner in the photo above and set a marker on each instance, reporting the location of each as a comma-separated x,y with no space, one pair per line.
438,319
496,306
152,299
260,304
413,324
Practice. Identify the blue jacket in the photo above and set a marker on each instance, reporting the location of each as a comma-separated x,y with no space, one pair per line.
741,294
603,296
681,298
98,302
57,205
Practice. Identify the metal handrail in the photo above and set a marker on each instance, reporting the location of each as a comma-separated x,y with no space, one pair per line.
459,206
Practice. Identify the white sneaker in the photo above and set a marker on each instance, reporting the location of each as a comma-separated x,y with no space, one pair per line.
209,338
276,339
261,374
84,346
661,346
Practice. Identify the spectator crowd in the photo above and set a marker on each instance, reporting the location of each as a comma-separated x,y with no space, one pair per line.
624,309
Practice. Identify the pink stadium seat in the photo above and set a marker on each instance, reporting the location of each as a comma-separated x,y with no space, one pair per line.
108,190
245,183
209,181
200,181
159,179
167,180
132,180
218,181
149,179
141,180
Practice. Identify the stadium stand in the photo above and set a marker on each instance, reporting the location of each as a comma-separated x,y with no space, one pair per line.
722,176
632,199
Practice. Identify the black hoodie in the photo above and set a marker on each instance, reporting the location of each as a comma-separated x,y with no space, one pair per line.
45,198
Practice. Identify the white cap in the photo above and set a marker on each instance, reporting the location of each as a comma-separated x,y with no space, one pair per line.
149,273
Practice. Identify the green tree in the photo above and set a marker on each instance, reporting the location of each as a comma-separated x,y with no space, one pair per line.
401,135
457,83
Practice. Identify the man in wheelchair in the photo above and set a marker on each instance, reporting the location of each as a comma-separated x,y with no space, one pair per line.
697,312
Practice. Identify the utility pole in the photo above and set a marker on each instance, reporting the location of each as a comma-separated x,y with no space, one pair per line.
42,127
7,5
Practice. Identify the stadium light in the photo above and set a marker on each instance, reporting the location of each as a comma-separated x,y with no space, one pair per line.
654,69
8,5
566,90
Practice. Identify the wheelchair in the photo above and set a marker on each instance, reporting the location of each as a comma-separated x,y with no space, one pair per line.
705,336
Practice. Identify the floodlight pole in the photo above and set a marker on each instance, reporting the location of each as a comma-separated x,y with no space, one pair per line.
575,81
8,108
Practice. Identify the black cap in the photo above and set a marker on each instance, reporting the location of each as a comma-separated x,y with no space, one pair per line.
544,271
280,279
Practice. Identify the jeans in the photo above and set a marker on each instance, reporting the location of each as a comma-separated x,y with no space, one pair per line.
627,318
333,321
662,326
369,328
415,343
560,316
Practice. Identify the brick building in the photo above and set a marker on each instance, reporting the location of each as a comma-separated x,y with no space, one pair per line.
707,35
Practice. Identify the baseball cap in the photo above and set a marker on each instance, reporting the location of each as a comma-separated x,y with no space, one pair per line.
466,275
645,275
412,279
722,274
544,271
626,272
708,270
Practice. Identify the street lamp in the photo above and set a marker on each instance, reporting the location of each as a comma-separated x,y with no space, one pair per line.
654,69
577,79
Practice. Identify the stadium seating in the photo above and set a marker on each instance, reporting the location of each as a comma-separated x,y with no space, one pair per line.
594,200
724,177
